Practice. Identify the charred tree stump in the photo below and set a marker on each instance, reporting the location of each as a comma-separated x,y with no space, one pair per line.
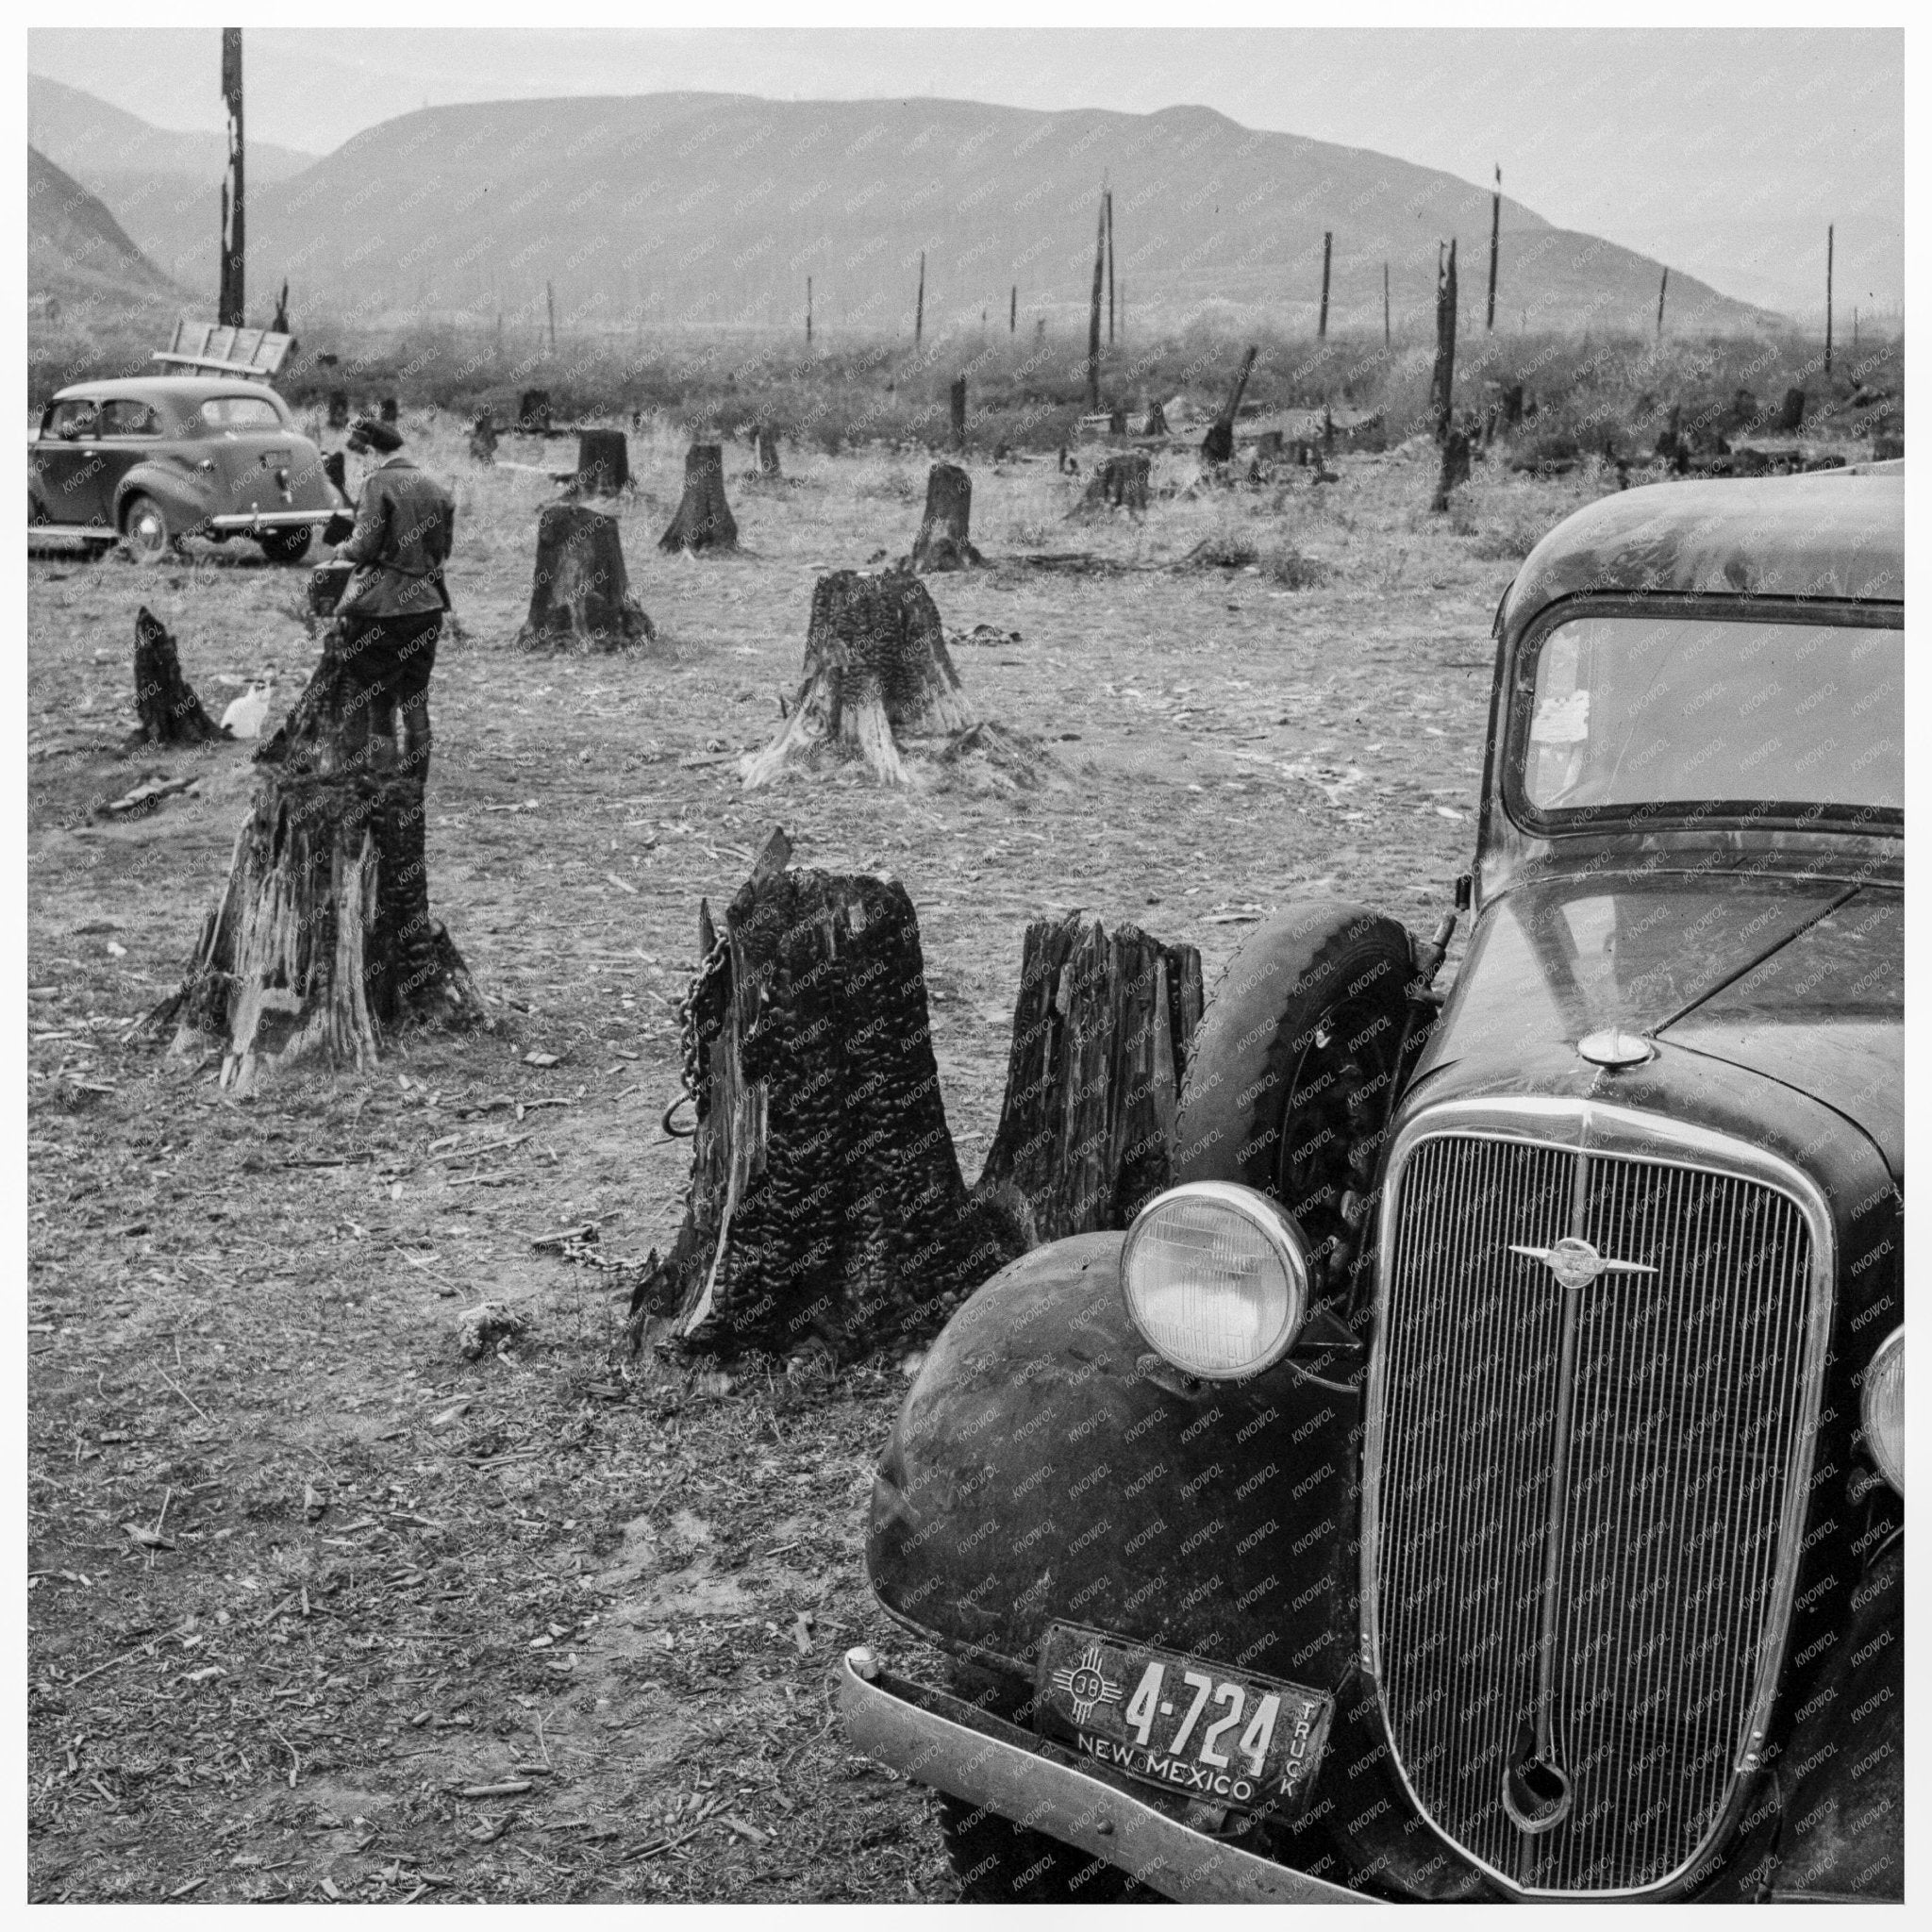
1791,416
1119,483
956,402
1455,470
581,594
533,412
1156,423
169,712
1442,373
766,439
943,543
826,1204
323,943
1217,447
483,439
387,409
703,519
1101,1035
877,670
603,462
337,408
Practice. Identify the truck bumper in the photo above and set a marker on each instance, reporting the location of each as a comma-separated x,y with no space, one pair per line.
953,1746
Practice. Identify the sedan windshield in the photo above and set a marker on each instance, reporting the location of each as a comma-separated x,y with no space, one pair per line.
1743,716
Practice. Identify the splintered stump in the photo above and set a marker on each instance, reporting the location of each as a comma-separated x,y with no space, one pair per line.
1101,1036
169,712
766,439
1120,483
943,543
581,594
703,519
826,1199
533,412
483,439
322,942
876,671
603,462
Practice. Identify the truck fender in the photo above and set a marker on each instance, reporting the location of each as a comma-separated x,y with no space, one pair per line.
1038,1472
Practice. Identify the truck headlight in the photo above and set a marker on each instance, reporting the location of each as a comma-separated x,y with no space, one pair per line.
1216,1277
1883,1407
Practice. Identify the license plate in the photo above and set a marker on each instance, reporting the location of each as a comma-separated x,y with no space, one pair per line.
1182,1723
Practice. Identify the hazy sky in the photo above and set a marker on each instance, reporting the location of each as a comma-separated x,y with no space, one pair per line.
1724,153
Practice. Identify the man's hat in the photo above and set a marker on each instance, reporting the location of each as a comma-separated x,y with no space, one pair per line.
382,436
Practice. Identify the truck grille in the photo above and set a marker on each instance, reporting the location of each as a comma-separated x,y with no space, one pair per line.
1583,1501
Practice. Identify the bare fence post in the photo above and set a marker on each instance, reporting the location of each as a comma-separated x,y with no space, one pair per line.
1013,311
807,311
1495,240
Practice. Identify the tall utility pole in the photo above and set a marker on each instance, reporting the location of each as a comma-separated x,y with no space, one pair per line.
1495,239
1387,337
232,301
919,308
1093,311
1013,311
1828,238
1109,268
1663,283
1322,321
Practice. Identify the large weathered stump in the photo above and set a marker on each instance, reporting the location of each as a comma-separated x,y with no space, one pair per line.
826,1199
533,412
1101,1035
703,519
323,943
169,712
1120,483
944,542
603,462
877,670
581,593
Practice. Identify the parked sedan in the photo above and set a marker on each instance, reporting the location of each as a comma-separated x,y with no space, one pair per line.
146,461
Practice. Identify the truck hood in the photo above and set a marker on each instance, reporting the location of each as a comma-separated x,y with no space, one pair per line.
1801,981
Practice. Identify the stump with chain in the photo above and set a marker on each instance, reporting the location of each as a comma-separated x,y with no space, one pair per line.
581,594
825,1206
1101,1034
169,712
944,542
323,943
703,519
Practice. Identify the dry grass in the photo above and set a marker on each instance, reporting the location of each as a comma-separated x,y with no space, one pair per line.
234,1309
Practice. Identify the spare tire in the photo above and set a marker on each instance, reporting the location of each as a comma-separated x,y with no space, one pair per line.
1294,1070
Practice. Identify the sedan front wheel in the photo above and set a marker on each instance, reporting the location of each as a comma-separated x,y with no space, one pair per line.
144,531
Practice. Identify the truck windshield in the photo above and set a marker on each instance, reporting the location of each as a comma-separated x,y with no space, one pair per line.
1741,716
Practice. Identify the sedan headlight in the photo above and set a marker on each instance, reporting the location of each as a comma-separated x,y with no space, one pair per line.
1216,1277
1884,1409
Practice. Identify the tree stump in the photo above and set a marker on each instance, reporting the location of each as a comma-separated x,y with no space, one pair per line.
603,462
581,593
387,410
943,543
322,942
766,438
483,439
1455,470
337,408
1217,447
877,670
1119,483
1156,423
169,712
957,404
533,412
703,519
826,1200
1790,416
1101,1035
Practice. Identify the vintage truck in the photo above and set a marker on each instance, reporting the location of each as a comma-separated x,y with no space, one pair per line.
1481,1475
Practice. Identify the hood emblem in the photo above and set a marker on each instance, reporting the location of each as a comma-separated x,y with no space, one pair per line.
1576,1264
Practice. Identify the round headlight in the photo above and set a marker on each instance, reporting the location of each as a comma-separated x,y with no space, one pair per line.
1216,1277
1884,1409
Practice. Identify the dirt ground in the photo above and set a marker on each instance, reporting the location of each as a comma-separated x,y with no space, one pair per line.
320,1610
